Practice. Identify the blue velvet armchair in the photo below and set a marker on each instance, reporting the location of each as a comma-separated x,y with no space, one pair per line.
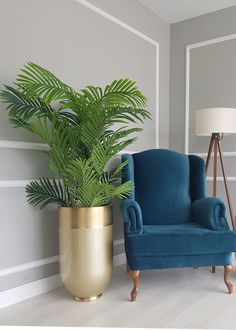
168,221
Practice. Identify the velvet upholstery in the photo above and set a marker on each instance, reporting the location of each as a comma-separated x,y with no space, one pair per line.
163,262
197,177
210,213
164,177
168,221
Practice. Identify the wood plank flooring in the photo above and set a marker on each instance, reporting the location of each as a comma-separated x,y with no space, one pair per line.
175,298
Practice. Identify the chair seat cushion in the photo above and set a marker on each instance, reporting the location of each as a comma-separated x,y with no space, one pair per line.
183,239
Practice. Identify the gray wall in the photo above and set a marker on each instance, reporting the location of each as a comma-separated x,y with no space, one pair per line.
82,48
198,29
212,82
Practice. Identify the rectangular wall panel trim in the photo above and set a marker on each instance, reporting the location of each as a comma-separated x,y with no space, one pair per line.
221,179
29,265
140,35
34,146
23,145
225,154
187,83
187,95
41,262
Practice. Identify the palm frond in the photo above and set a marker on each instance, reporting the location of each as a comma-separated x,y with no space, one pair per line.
114,174
124,114
18,122
123,92
81,170
92,129
123,190
47,192
22,107
103,195
111,145
81,179
37,82
80,132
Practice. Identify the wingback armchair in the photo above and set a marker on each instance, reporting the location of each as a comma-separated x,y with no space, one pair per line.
168,220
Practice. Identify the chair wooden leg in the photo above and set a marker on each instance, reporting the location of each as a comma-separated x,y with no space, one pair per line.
213,269
227,271
134,274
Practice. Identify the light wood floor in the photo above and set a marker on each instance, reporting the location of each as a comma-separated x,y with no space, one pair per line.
191,298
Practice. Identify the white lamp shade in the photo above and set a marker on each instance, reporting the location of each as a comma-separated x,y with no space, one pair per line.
215,120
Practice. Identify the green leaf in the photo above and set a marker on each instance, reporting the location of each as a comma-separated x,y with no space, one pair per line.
83,130
37,82
22,107
46,192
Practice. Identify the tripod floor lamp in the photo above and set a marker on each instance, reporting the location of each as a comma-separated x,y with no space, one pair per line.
216,122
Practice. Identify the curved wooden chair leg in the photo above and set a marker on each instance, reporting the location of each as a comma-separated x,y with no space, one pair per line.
227,271
134,274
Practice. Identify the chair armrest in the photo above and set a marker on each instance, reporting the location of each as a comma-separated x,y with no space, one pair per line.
132,213
210,213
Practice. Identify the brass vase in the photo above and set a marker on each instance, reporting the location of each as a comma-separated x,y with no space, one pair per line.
85,244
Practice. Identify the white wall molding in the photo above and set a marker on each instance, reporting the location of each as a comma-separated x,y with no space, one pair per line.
46,261
117,21
23,145
29,265
14,183
225,154
212,41
141,35
29,290
187,85
9,144
17,183
221,179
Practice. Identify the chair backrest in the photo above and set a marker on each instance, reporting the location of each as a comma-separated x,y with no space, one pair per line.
162,185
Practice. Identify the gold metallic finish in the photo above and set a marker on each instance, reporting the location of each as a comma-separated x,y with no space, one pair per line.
85,243
85,217
88,299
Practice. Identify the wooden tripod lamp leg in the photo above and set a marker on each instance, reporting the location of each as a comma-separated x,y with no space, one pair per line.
209,153
213,145
215,166
231,211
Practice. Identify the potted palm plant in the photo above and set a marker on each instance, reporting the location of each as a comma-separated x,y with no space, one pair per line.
79,129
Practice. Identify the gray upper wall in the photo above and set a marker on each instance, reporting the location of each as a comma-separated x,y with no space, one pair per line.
140,18
194,30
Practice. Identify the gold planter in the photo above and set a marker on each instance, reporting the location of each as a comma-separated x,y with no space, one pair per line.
85,244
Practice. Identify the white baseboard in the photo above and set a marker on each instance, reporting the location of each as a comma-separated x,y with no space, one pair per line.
29,265
41,262
32,289
29,290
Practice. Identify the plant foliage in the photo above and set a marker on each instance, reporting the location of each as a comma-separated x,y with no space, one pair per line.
79,129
